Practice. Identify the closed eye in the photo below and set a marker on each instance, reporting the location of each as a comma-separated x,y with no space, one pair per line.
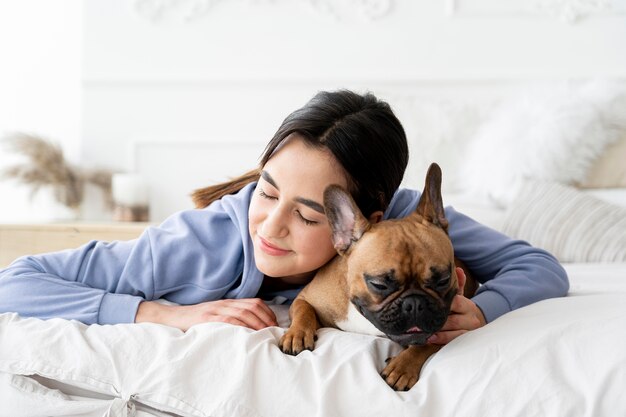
305,220
378,286
269,197
383,284
443,283
440,281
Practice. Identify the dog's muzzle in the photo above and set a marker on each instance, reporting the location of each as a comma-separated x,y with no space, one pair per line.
408,320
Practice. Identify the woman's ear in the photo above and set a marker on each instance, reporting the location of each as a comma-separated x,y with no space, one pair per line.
376,216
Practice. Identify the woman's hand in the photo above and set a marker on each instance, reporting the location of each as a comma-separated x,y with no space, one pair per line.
464,316
248,312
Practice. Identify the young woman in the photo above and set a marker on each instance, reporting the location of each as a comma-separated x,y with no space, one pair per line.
265,234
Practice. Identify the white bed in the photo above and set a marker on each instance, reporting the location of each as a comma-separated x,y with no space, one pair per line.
558,357
564,357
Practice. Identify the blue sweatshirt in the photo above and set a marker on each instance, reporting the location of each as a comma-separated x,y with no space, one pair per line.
204,255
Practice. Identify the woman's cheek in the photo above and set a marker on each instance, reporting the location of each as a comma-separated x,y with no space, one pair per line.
256,210
320,245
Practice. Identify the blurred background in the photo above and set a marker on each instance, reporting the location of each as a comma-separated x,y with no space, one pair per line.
185,93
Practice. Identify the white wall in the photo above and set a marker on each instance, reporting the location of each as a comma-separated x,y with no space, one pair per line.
40,89
188,92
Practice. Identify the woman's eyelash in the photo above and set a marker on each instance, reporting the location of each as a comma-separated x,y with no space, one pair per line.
305,220
269,197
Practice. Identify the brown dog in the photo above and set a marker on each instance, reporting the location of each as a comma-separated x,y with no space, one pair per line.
396,278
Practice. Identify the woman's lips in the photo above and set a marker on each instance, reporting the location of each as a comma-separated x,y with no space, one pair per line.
270,249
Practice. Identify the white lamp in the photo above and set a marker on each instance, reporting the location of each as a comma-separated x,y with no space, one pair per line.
130,198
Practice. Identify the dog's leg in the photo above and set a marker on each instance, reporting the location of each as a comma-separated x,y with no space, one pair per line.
301,334
402,371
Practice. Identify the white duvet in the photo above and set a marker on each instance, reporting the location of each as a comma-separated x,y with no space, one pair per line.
560,357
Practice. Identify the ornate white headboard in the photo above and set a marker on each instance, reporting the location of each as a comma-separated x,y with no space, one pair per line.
188,92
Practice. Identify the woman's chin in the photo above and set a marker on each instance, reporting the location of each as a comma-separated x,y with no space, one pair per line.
287,274
271,267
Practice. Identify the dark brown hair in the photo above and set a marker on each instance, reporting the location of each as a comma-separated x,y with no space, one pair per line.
362,133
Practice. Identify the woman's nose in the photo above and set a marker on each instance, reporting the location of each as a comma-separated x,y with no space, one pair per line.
274,224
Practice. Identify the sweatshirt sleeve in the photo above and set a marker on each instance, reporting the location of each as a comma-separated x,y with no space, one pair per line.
77,284
512,273
192,257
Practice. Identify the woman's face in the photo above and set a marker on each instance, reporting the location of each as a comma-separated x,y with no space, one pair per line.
289,230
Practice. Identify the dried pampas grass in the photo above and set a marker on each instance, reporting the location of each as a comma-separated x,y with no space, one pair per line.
45,166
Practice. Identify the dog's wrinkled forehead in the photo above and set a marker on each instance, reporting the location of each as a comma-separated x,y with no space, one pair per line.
404,246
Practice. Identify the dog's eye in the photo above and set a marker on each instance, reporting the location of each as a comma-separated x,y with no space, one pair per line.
439,280
442,283
378,286
383,284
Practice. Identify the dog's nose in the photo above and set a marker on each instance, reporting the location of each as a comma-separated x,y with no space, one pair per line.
412,304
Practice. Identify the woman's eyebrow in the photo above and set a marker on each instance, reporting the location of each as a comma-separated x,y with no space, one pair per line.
312,204
267,177
309,203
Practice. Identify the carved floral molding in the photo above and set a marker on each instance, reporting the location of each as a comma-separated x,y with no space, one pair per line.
572,11
569,11
191,10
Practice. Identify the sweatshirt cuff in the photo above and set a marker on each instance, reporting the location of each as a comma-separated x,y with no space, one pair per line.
118,308
492,304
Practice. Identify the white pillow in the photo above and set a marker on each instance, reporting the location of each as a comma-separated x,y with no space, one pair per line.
615,196
573,226
552,134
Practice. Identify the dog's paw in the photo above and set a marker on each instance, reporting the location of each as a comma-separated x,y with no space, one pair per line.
403,371
400,375
295,341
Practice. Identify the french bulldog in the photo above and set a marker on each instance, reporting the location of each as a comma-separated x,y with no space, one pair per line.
395,278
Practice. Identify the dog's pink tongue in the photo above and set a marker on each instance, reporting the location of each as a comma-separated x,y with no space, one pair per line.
414,330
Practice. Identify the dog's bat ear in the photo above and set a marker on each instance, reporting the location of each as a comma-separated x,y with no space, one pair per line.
430,206
346,220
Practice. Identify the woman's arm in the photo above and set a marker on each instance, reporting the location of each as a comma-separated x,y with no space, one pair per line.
29,291
57,285
248,312
195,256
513,274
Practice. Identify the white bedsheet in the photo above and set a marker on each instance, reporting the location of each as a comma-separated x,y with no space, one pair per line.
560,357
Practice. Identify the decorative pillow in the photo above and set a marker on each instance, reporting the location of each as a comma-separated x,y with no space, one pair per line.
609,170
552,134
573,226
